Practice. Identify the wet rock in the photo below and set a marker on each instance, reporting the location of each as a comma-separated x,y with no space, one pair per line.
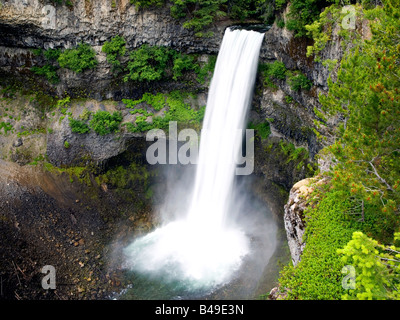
17,143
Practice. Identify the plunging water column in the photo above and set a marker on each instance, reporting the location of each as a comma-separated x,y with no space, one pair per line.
204,249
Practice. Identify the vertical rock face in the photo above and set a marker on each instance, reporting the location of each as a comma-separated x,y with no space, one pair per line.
32,24
294,218
29,24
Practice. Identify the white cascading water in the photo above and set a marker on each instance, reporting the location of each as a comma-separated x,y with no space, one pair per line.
202,249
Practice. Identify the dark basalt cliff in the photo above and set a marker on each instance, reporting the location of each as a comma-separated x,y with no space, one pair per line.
23,28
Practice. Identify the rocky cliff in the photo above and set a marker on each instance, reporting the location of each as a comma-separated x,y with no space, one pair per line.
32,24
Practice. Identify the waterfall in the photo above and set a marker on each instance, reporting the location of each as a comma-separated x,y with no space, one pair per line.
230,95
202,249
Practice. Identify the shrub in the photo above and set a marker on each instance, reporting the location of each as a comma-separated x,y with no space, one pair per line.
148,63
302,13
203,16
48,71
273,71
114,48
183,62
206,70
299,81
157,101
52,54
104,123
78,126
262,129
153,63
79,59
62,103
147,3
280,23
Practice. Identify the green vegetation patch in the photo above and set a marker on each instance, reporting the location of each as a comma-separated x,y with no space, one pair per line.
104,122
176,109
318,274
78,126
81,58
262,129
114,49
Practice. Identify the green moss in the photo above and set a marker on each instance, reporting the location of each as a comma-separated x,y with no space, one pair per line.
176,110
82,174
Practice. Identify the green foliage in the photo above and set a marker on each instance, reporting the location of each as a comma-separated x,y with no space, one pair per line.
147,3
262,10
48,71
376,267
203,15
66,144
85,115
206,70
278,71
280,4
79,59
52,54
6,126
37,51
318,274
183,62
153,63
179,110
78,126
104,123
198,15
289,99
157,101
298,81
273,71
366,95
280,23
148,63
262,129
321,29
175,110
114,49
302,13
63,103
